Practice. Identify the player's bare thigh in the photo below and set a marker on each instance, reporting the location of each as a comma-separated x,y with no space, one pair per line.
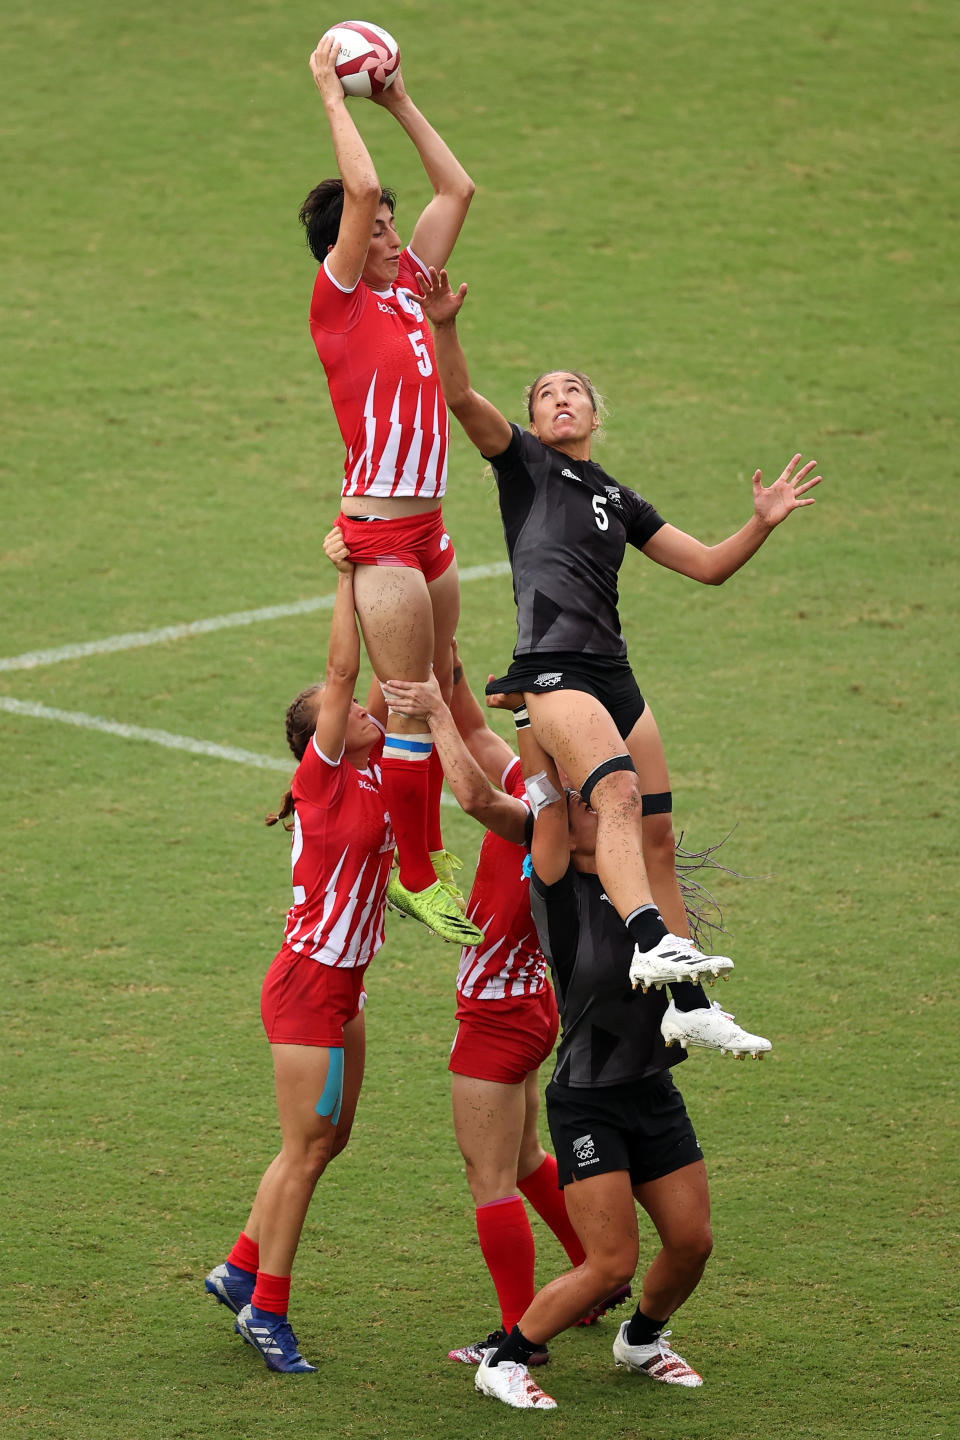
575,729
646,751
445,603
396,618
678,1204
488,1121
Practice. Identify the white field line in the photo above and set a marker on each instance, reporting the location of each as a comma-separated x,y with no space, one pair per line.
137,732
139,638
33,711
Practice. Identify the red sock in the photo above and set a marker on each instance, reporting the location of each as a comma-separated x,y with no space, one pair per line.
245,1255
405,785
507,1244
271,1292
435,788
542,1191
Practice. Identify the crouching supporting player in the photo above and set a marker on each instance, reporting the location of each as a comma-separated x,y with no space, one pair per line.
619,1126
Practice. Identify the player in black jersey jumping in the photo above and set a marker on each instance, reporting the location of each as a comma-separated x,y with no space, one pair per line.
567,524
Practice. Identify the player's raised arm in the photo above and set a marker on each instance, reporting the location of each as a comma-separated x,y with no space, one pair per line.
436,231
712,564
490,750
550,847
343,663
503,814
482,421
361,186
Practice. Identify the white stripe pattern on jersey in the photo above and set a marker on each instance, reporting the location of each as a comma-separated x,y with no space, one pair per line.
355,936
407,479
430,475
503,983
395,475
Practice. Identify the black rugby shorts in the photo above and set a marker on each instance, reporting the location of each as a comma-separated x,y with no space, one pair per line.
642,1127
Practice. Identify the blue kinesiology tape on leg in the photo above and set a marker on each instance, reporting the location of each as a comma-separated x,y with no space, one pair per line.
330,1100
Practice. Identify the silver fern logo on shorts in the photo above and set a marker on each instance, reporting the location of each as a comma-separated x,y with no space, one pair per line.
584,1148
548,679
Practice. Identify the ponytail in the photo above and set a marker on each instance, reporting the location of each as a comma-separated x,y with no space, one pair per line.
286,808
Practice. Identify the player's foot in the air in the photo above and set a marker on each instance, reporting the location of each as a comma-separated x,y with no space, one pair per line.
445,864
656,1360
511,1383
273,1337
435,908
675,959
713,1029
473,1354
231,1286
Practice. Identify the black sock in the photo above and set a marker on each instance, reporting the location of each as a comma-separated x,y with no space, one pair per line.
516,1349
646,926
641,1330
687,996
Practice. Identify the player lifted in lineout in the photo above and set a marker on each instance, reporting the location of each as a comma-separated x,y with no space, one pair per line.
377,352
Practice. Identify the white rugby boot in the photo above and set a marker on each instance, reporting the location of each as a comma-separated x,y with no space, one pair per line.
713,1029
675,959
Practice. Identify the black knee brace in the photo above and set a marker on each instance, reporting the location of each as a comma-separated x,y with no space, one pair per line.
661,804
606,767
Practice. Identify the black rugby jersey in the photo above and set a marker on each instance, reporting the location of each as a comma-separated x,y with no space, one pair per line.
567,525
610,1032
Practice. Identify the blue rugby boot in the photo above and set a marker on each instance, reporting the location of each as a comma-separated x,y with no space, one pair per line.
230,1286
273,1337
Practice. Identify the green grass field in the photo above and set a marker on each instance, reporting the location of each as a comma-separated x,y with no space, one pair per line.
741,219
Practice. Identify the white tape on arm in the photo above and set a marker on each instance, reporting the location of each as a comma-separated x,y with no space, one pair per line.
541,793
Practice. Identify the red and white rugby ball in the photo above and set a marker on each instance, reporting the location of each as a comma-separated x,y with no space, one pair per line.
369,57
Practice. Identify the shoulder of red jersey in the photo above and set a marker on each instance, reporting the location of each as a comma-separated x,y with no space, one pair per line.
410,267
319,778
333,306
511,781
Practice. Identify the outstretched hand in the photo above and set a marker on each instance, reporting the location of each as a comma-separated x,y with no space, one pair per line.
416,698
773,503
441,303
335,549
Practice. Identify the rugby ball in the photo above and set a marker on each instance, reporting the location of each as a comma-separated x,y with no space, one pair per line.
369,57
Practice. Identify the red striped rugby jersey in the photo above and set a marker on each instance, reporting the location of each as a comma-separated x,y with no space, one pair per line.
508,961
377,351
341,851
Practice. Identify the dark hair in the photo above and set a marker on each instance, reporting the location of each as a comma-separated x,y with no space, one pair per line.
301,722
321,212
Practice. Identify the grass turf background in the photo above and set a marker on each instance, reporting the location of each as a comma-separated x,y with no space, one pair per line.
742,221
